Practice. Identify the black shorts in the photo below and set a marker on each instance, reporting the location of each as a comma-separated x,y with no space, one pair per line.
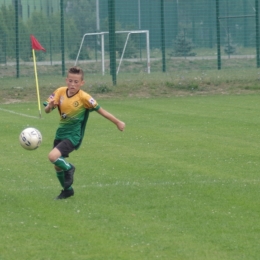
64,146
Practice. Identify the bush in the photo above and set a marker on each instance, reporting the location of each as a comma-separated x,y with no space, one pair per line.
83,55
183,46
229,48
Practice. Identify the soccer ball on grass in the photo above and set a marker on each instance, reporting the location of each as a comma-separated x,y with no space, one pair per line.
30,138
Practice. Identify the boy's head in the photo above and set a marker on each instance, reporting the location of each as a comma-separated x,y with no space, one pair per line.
74,80
76,70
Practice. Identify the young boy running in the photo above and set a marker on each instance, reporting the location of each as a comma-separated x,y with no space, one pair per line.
74,106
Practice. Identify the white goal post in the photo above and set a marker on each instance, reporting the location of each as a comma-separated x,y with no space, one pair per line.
102,34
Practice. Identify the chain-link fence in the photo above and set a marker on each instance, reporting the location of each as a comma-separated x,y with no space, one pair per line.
117,36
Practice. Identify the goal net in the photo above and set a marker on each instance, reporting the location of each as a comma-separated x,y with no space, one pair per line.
128,33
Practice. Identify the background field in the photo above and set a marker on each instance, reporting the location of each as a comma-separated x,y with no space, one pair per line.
182,182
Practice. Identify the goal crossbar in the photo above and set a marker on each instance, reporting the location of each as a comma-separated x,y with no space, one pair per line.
102,34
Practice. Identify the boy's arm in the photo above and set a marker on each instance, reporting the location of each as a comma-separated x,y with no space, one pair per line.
49,107
120,124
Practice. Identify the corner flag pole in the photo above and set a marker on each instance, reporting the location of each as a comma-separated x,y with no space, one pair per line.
36,46
37,85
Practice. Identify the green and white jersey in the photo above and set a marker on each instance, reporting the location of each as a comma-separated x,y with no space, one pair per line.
74,112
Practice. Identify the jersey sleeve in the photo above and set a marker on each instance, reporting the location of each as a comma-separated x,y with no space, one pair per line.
90,103
55,96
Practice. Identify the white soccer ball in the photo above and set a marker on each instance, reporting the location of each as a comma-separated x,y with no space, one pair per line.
30,138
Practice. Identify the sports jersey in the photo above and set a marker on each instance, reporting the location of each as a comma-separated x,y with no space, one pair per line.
74,112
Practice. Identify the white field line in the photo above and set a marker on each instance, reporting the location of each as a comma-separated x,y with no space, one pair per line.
177,183
19,114
137,184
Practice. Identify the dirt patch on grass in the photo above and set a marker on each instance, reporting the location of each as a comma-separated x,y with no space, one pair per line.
11,101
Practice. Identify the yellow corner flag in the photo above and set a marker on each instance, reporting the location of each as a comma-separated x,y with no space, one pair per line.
36,46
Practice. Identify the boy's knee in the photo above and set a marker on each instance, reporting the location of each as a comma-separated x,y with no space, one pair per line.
52,157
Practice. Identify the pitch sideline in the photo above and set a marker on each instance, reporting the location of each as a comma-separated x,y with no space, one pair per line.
19,114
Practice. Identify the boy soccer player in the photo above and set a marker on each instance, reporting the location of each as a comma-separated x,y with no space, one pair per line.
74,106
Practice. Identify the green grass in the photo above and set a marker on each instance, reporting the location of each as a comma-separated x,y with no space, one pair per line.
181,182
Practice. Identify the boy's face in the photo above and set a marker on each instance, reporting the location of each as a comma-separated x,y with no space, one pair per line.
74,83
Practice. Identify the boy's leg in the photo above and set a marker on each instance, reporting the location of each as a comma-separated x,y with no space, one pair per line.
64,170
68,169
62,164
66,192
60,176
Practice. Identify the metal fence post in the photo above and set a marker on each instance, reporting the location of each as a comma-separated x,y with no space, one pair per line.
218,34
62,37
112,39
257,32
163,36
17,38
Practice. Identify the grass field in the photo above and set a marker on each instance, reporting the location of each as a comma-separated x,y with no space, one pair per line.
181,182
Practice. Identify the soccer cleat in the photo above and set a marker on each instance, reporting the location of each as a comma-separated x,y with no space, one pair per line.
68,177
65,194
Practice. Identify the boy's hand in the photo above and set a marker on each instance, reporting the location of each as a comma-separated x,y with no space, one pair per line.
120,125
51,105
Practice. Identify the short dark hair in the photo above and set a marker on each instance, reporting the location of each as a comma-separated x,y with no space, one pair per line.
76,70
